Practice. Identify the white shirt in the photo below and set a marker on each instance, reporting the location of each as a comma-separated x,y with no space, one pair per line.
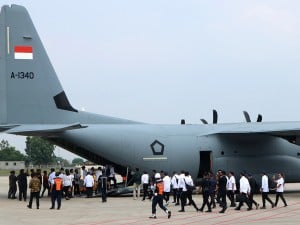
280,185
231,184
145,178
67,180
88,181
174,181
264,183
189,180
98,174
167,184
51,177
181,182
244,185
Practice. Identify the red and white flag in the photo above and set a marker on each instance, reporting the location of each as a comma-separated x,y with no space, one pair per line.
23,52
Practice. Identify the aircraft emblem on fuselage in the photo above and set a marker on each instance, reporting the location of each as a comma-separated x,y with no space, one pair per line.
157,148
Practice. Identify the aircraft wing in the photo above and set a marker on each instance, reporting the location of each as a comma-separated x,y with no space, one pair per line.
42,129
286,130
7,127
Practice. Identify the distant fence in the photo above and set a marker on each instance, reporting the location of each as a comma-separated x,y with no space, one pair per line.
12,165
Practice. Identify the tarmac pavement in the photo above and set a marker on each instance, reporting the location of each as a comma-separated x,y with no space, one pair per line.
126,211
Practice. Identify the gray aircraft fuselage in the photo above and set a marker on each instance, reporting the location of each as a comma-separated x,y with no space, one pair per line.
184,147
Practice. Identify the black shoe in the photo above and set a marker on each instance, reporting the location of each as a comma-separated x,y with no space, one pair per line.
285,205
181,210
257,205
273,205
223,210
37,207
169,214
58,208
237,208
249,209
177,204
51,208
208,210
263,207
152,217
29,207
200,210
233,205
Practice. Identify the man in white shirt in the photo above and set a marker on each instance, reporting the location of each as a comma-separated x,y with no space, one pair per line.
167,187
265,191
145,183
174,183
231,188
279,190
89,184
182,190
244,192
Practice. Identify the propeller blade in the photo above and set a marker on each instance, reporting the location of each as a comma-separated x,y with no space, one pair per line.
215,116
259,118
247,117
203,121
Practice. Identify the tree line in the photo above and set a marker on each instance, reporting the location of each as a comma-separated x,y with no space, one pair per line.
37,152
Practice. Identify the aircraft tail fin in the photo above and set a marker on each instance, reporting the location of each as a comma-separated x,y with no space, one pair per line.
30,91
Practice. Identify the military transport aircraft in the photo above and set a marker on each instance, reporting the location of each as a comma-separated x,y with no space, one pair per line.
33,103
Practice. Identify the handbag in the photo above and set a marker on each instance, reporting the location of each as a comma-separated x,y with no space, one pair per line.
189,187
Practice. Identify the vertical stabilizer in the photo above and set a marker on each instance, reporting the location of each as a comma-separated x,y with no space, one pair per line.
30,91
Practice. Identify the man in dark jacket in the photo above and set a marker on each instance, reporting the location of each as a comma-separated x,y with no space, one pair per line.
12,185
22,182
222,191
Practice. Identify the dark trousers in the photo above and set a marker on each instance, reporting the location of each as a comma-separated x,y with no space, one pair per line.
67,192
76,189
166,196
103,194
56,196
223,202
158,200
176,195
244,198
190,198
212,199
35,195
23,193
265,197
44,189
230,195
205,201
183,198
12,191
251,199
89,192
280,194
145,191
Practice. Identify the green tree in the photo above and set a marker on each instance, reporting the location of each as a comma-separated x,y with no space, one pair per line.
78,161
9,153
39,151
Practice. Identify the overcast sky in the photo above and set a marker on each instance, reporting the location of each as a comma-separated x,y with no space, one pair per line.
160,61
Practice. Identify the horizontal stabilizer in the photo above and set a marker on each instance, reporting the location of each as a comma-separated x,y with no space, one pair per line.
43,130
7,127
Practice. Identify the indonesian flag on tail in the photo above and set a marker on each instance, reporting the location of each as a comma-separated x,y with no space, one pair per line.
23,52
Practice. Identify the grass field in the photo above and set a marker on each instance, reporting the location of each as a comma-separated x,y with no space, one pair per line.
4,172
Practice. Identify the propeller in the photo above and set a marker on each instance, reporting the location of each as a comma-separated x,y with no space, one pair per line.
247,117
215,118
